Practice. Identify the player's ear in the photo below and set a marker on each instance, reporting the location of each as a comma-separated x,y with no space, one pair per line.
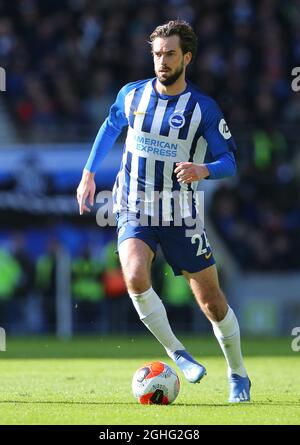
187,57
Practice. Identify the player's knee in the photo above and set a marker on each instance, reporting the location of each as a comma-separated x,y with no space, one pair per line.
137,281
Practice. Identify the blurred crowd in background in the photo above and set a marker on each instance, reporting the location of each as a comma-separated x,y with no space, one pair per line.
99,300
65,61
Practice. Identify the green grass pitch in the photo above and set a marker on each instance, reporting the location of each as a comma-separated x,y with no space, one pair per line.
88,381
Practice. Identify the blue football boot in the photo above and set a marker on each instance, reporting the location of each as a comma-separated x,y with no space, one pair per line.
191,369
239,389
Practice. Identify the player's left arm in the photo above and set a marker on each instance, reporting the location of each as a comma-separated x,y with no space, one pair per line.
221,149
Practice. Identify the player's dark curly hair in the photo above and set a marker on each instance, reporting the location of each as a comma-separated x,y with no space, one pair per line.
182,29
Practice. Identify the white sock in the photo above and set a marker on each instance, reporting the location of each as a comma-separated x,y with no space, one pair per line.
227,332
154,316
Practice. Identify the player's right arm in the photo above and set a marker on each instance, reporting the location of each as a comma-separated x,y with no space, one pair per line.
86,190
105,139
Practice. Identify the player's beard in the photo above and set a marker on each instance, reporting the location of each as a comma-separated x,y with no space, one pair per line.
172,78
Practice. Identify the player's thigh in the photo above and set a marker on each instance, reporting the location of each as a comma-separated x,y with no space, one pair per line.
136,257
185,252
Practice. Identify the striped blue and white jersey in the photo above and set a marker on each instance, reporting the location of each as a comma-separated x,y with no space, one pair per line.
162,130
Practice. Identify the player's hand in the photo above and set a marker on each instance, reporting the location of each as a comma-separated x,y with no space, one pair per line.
86,190
188,172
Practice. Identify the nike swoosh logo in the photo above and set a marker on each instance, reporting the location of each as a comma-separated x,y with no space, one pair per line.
207,257
137,113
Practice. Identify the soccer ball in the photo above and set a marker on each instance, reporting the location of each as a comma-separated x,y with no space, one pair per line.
155,383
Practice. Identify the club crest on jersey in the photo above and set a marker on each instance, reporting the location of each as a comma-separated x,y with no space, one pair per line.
177,120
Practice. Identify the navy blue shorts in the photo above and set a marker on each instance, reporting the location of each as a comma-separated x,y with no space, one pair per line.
188,253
